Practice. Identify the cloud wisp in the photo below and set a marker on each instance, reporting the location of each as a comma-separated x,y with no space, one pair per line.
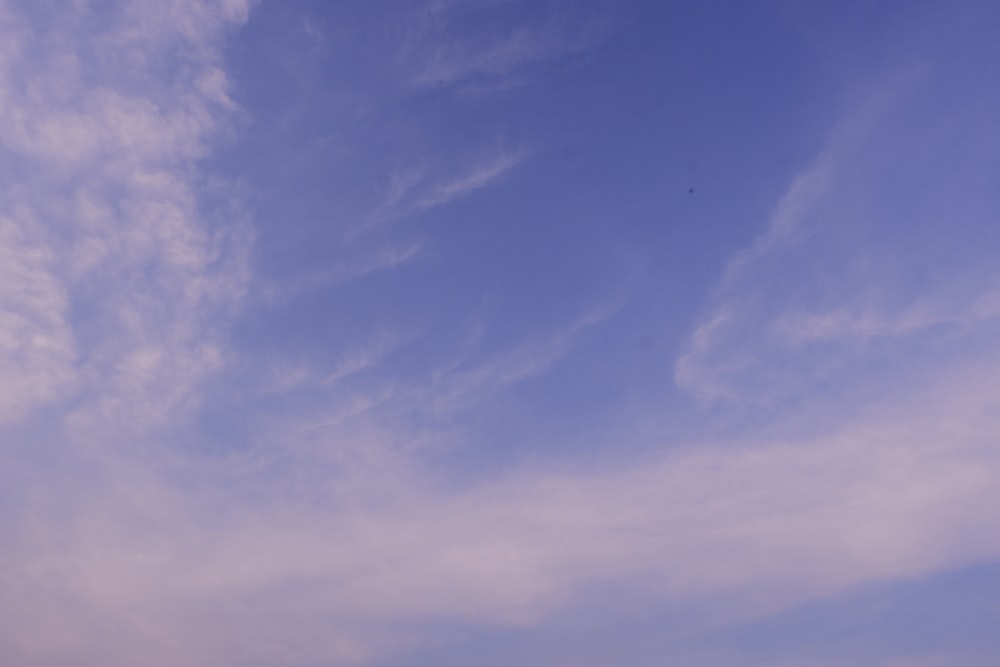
384,258
843,234
411,193
444,59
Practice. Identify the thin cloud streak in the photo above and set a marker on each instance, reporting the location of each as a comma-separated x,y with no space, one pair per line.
383,259
410,193
459,62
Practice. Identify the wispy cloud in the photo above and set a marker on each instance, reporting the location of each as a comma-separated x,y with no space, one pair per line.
475,179
119,276
796,519
37,347
301,376
411,192
345,271
758,340
496,57
108,199
461,384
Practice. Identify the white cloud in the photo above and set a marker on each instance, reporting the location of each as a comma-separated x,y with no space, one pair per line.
763,524
859,230
411,192
122,273
37,349
475,179
443,61
313,376
461,384
383,258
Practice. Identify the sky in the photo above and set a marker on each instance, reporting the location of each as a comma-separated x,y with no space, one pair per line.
551,333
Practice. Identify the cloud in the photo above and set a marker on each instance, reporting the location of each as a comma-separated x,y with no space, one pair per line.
444,60
312,376
759,524
122,272
340,544
862,230
841,324
121,268
476,178
382,259
37,349
411,192
700,369
461,384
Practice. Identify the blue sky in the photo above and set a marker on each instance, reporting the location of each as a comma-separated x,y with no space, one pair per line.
450,332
